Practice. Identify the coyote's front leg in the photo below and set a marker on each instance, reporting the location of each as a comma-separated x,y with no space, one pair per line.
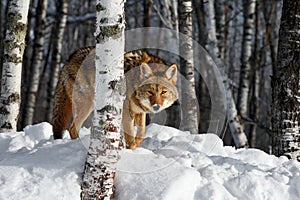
140,122
128,122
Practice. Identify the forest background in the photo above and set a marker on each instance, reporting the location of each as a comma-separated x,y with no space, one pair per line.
57,28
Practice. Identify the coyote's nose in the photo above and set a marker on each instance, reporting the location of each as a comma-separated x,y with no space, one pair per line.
155,107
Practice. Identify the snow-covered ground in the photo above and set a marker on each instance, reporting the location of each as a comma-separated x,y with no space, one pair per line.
171,164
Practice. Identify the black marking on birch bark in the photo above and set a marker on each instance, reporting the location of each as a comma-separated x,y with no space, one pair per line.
4,111
18,27
17,35
100,7
121,18
13,98
104,20
111,31
112,84
108,109
6,125
14,58
12,19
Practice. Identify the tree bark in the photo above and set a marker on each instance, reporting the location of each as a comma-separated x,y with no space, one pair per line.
201,88
220,27
210,26
105,140
235,126
256,62
271,13
189,100
244,84
36,60
286,84
2,18
14,46
58,36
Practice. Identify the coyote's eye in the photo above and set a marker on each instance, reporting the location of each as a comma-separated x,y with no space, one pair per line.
149,92
164,92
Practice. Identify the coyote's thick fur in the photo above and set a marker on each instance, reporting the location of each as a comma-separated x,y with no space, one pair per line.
150,87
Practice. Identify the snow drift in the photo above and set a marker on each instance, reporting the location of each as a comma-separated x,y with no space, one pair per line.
171,164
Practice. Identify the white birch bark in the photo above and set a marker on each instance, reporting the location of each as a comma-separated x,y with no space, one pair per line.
235,126
14,46
189,100
244,83
286,84
105,140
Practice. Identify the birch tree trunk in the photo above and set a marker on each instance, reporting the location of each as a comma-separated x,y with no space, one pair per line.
254,107
37,59
105,140
189,100
58,36
220,27
14,46
235,126
2,16
286,84
244,84
210,25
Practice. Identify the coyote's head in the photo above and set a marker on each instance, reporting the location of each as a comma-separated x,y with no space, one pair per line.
157,90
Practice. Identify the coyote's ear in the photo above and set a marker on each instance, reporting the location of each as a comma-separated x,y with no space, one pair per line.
171,73
146,71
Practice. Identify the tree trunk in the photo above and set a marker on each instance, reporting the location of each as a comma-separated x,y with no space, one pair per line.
220,27
37,59
235,33
271,12
4,14
105,140
58,36
147,12
201,88
244,84
285,84
200,15
254,107
189,100
210,25
2,19
14,45
236,129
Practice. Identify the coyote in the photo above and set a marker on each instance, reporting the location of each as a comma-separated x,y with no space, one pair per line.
150,87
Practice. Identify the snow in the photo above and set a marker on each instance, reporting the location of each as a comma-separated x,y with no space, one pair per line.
171,164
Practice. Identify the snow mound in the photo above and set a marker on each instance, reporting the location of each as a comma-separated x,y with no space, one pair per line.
170,164
184,166
34,166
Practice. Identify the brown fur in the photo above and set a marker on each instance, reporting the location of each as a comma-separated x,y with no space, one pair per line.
150,87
